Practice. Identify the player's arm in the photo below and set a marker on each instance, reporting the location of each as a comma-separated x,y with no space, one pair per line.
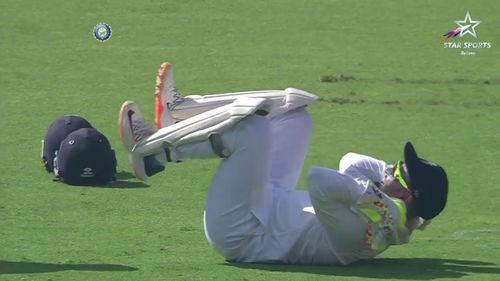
326,186
333,195
362,167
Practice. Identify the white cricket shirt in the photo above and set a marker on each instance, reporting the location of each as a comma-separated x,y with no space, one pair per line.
342,218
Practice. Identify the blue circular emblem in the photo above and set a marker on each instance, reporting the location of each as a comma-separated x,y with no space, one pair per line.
102,31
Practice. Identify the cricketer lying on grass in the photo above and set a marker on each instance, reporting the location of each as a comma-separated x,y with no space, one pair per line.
253,212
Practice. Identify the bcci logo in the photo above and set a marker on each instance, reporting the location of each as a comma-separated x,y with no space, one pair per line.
467,26
102,31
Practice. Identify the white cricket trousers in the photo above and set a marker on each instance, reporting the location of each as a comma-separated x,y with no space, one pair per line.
265,154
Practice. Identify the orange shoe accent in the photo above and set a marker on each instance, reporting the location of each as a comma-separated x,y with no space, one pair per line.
158,90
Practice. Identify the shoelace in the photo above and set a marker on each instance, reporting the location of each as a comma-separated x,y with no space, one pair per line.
178,98
141,130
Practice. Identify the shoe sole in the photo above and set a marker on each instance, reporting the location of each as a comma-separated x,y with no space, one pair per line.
120,119
159,108
122,135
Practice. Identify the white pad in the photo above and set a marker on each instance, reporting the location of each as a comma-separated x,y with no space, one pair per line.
295,98
280,101
201,126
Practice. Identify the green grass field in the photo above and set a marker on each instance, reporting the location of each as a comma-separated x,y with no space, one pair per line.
405,86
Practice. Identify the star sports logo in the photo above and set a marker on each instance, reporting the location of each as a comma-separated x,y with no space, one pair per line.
466,26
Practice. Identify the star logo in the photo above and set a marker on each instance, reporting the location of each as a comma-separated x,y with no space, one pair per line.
468,26
464,27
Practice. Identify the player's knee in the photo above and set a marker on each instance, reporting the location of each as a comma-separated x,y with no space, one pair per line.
316,177
317,181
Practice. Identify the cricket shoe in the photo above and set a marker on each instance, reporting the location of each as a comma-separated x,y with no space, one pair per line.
133,129
167,97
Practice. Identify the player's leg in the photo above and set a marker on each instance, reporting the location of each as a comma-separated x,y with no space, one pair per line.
239,198
345,230
291,132
146,149
171,107
238,201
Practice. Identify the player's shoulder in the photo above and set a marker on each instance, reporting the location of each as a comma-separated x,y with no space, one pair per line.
360,161
350,159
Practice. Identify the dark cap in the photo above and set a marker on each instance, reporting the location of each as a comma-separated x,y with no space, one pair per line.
59,130
85,157
429,184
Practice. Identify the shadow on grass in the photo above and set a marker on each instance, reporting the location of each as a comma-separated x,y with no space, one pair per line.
122,181
123,175
122,178
125,184
16,267
389,268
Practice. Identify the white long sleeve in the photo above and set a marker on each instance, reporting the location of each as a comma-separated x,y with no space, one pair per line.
359,220
362,168
341,218
328,185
